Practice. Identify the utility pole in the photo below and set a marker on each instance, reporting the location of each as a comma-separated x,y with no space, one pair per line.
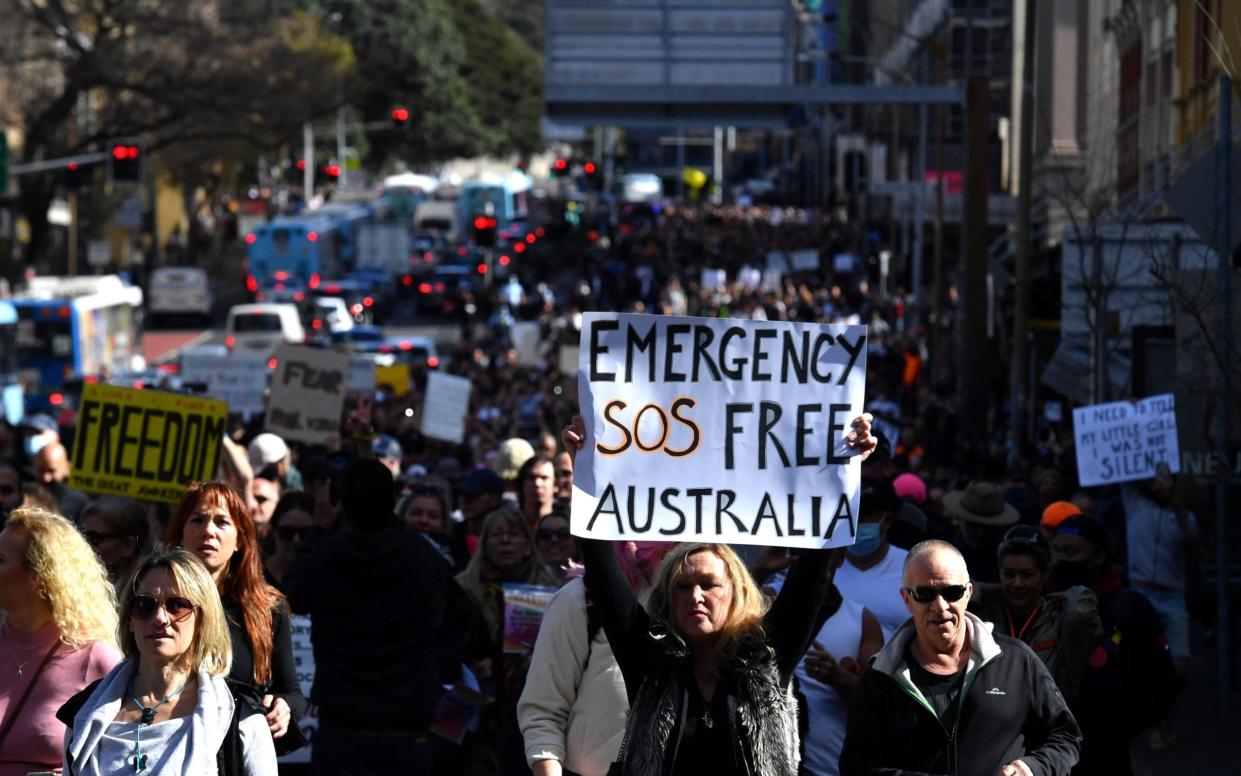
308,155
919,178
1223,431
1021,296
972,328
343,179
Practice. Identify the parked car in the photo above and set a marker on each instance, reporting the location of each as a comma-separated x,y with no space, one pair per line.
179,294
263,326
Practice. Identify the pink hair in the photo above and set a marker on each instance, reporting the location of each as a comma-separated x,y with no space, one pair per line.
632,557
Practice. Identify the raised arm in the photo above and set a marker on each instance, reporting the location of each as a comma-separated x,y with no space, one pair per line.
625,622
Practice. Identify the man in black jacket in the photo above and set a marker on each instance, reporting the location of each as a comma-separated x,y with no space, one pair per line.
383,627
946,696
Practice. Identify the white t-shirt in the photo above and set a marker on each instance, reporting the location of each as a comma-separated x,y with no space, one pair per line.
826,711
164,746
878,589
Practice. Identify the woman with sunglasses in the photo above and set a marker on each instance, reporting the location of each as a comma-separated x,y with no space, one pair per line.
556,545
119,531
1061,628
212,522
58,633
293,517
167,707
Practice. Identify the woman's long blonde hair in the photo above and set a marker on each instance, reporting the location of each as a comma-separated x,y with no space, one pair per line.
69,576
745,614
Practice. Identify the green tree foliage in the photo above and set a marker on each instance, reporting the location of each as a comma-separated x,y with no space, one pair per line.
190,80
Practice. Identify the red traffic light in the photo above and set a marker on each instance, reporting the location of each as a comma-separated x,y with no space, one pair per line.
483,222
73,166
400,115
332,170
123,152
590,168
301,164
562,165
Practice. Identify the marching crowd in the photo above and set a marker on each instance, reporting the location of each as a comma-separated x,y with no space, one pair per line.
987,618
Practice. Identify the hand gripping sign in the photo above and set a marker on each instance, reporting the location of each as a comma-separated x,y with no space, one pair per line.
718,430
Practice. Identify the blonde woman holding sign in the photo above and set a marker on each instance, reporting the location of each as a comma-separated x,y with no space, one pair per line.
709,670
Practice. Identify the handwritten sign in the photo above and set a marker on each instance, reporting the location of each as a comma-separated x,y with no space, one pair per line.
238,379
304,662
307,393
523,614
444,409
145,444
1122,442
733,431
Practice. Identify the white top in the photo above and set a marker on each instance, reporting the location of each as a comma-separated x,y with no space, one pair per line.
1157,542
878,589
163,745
826,711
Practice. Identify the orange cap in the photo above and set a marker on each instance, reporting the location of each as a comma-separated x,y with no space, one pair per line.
1058,511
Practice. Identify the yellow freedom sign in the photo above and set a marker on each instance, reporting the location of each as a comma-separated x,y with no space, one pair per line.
395,376
145,444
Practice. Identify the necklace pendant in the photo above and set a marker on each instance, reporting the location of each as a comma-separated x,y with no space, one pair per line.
19,670
148,716
707,719
140,762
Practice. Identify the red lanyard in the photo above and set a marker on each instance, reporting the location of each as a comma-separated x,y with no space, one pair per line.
1020,634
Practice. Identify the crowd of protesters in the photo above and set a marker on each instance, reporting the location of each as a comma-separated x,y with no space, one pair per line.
169,645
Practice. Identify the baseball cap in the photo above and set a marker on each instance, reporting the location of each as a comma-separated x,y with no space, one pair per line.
266,449
1088,528
513,453
384,446
39,422
481,481
1059,511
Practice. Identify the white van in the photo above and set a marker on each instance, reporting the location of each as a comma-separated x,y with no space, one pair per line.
180,293
262,327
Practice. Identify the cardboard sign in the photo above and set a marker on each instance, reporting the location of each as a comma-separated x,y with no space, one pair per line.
304,661
237,379
1122,442
701,429
145,444
362,374
395,376
526,342
445,407
523,614
307,393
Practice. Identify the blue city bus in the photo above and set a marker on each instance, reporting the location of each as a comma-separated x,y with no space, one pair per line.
298,252
11,395
71,327
502,198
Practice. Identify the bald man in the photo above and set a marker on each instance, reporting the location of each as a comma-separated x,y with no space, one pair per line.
945,695
51,468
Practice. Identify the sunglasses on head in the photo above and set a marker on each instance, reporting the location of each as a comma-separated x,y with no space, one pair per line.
288,533
143,607
925,594
547,534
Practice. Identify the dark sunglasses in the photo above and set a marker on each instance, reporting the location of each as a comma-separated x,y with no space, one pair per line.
546,534
925,594
288,533
143,607
94,538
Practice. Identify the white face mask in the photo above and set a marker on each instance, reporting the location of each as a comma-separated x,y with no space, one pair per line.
36,442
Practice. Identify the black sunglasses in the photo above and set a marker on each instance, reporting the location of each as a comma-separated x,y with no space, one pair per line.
925,594
288,533
94,538
547,534
143,607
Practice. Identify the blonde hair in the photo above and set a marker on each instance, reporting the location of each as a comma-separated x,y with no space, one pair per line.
69,576
471,578
745,614
212,647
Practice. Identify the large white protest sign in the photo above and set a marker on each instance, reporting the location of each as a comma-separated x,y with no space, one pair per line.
444,409
240,379
718,430
307,394
1122,442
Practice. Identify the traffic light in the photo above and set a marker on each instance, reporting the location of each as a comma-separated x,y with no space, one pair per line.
594,178
400,117
484,231
126,161
331,171
75,176
560,167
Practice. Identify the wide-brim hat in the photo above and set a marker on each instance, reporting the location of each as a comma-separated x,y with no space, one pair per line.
981,503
